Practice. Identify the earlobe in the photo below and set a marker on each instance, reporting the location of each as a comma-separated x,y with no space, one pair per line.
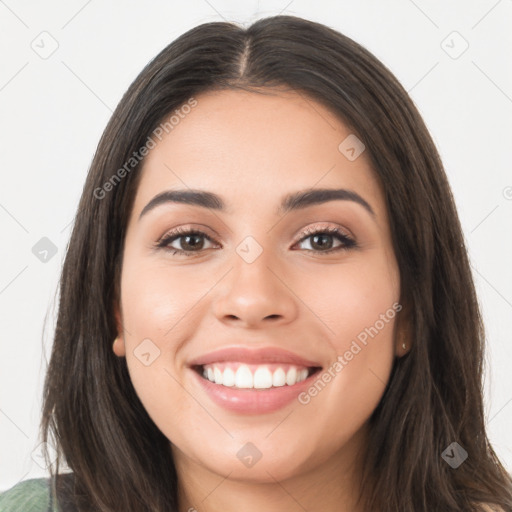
118,347
403,343
118,344
404,348
403,333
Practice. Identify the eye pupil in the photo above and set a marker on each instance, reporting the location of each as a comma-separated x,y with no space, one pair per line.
322,244
193,245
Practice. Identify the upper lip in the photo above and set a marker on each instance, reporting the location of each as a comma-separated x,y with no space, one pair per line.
253,356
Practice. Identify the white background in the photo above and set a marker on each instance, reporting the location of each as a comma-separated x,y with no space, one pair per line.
53,111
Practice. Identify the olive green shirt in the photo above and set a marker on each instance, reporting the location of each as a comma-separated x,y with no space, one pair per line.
28,496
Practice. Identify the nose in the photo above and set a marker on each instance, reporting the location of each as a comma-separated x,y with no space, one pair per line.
255,295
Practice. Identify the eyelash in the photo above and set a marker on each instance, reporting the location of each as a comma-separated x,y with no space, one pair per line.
348,242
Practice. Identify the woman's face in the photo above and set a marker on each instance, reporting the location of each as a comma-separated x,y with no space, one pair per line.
256,298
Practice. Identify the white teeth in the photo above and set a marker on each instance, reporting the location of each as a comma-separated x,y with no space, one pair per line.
243,377
263,377
291,376
279,378
217,374
228,378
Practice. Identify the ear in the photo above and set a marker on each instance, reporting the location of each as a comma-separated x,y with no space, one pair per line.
403,331
118,345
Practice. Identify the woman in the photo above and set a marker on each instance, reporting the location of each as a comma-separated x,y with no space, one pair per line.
266,302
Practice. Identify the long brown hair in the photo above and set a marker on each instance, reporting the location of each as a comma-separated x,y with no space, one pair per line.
91,413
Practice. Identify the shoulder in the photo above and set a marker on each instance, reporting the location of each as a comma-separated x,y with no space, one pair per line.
30,496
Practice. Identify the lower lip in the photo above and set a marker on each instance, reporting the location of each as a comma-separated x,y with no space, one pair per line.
253,401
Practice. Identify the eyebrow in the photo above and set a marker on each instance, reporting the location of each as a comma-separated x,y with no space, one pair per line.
290,202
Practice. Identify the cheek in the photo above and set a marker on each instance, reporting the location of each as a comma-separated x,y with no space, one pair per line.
159,315
353,297
158,300
359,303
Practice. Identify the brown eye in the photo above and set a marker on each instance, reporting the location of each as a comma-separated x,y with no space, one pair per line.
185,242
191,242
323,240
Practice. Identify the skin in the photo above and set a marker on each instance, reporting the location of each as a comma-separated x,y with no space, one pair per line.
252,149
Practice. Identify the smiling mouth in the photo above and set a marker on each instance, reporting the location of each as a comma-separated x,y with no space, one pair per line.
254,376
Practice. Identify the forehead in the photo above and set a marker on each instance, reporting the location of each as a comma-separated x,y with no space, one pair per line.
248,146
